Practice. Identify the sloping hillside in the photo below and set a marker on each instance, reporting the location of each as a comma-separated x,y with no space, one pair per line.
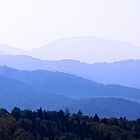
68,85
15,93
124,73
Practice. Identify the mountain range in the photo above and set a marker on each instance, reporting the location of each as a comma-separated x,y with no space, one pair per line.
26,96
7,49
29,79
68,85
86,49
125,73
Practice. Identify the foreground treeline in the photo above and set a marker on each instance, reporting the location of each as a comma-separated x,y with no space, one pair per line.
61,125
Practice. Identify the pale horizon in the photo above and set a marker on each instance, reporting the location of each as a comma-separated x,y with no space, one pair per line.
31,23
84,49
65,38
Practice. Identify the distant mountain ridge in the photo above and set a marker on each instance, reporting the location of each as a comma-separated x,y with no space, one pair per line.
109,89
124,73
68,85
7,49
86,49
15,93
109,107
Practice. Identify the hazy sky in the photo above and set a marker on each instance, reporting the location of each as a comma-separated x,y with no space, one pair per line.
34,23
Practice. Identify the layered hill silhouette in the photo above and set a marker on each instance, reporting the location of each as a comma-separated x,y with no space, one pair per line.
15,93
86,49
68,85
55,90
108,107
7,49
109,89
125,73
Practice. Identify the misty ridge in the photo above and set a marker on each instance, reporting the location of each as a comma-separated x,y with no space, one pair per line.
77,48
41,78
44,97
70,70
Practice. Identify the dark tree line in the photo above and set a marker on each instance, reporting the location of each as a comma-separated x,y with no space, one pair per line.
61,125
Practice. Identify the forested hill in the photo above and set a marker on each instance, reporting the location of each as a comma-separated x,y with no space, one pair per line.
52,125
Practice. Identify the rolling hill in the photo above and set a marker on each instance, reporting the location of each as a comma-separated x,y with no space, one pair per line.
125,73
26,93
87,49
108,107
68,85
14,93
7,49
